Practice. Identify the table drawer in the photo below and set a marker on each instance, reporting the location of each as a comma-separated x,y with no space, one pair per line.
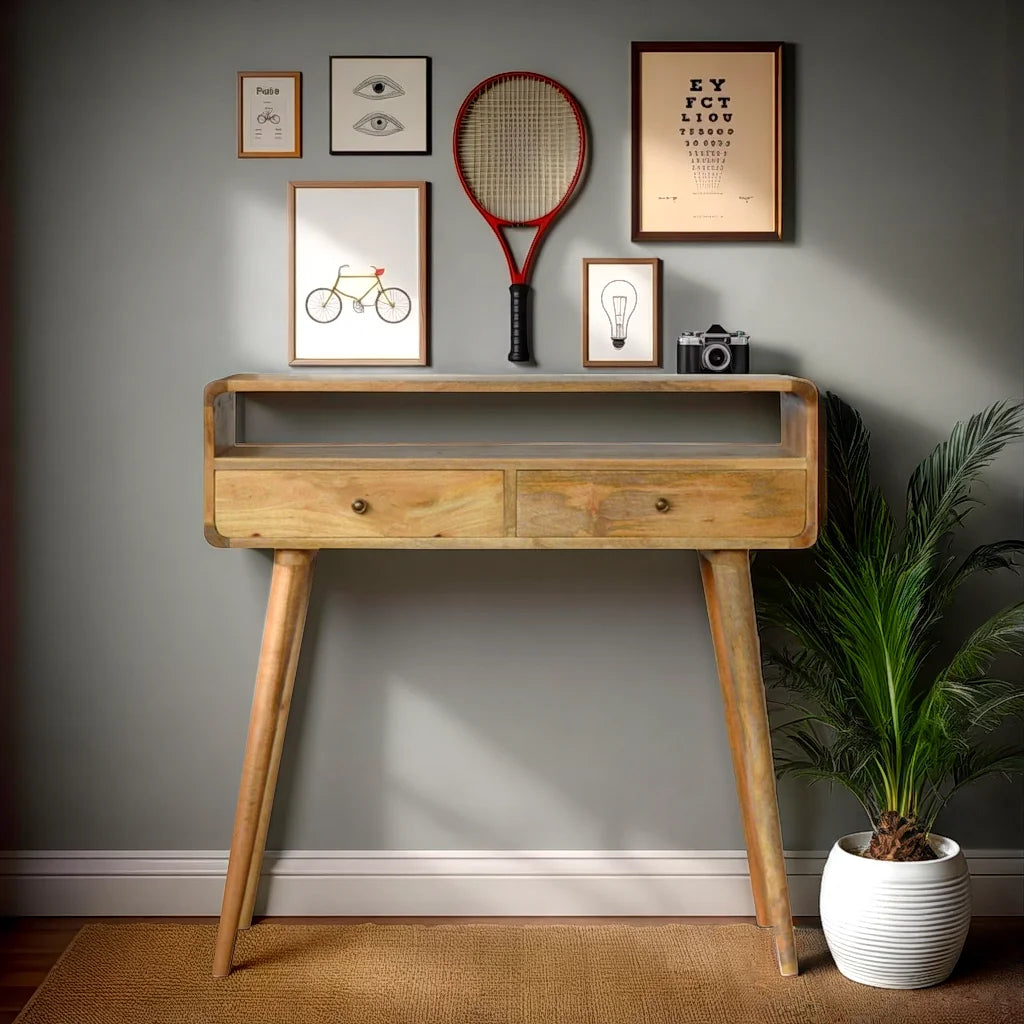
309,503
697,503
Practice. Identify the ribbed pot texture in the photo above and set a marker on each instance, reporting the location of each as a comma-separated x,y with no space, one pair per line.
891,924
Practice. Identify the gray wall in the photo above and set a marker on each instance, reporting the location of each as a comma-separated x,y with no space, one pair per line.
462,700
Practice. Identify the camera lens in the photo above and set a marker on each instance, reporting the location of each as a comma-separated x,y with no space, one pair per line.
716,357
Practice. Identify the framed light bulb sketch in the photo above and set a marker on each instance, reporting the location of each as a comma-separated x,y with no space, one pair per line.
357,273
706,142
380,105
621,312
269,113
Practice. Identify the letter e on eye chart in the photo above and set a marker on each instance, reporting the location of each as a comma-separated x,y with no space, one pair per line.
380,105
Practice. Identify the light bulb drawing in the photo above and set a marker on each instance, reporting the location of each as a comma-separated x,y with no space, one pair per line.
618,300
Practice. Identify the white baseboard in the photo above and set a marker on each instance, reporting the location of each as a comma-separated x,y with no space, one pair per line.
638,883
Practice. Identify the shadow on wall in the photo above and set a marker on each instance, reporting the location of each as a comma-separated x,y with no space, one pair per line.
555,721
8,555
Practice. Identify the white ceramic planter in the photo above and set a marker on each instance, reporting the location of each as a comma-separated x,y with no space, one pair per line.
895,925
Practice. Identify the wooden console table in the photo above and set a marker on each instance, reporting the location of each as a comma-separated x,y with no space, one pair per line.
721,500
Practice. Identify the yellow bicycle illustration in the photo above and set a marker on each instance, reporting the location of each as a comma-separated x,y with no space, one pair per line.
392,304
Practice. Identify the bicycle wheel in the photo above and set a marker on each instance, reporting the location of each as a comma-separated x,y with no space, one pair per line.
275,118
393,305
323,305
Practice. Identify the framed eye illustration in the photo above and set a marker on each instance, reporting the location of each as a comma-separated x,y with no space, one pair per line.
380,105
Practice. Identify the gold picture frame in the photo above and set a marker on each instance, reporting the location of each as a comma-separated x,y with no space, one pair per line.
706,139
358,273
270,114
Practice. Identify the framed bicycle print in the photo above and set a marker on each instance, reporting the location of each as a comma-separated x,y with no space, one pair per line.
380,105
706,141
357,273
621,314
270,113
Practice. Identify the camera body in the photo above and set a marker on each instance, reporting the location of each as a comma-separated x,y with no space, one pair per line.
713,351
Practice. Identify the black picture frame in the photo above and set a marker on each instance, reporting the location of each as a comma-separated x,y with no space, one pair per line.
380,118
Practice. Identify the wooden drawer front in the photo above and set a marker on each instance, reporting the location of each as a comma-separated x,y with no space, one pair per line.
312,503
700,503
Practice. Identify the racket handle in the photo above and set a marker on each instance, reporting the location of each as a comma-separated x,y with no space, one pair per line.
520,350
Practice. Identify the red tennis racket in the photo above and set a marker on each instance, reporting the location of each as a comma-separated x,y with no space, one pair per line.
519,147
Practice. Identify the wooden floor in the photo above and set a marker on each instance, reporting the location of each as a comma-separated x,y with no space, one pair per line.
30,946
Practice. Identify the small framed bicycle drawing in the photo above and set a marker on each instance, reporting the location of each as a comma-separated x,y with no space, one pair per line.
269,113
358,273
621,315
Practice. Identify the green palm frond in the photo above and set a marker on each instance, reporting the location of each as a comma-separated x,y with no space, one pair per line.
859,518
982,704
982,761
1003,554
1001,634
852,635
974,764
805,754
939,494
991,714
810,677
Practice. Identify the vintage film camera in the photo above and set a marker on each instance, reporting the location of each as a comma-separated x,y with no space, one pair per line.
713,351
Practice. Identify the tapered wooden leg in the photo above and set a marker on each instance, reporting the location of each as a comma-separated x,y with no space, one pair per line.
733,729
286,607
731,600
266,807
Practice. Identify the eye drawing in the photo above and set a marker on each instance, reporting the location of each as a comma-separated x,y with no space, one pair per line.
378,87
378,125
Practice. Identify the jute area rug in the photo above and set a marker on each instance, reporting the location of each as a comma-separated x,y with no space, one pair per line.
483,973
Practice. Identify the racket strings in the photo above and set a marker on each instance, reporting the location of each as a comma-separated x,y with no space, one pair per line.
519,148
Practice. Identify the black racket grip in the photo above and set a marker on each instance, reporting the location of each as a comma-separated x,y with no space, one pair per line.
520,350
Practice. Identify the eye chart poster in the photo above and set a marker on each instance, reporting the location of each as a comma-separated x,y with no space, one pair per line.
708,142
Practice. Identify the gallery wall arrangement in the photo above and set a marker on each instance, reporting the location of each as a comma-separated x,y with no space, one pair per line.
705,163
552,700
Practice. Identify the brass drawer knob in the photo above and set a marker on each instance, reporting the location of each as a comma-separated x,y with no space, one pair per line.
359,506
663,504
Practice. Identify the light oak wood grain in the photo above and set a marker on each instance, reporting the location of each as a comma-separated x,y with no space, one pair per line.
295,509
293,639
539,454
723,499
393,503
802,424
286,611
509,543
731,606
627,382
686,503
732,722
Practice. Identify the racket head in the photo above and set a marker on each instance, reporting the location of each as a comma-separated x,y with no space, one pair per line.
519,145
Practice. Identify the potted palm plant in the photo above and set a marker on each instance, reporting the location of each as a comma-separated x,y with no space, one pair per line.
857,644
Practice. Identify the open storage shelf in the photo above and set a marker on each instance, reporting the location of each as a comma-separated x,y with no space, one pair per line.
511,493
